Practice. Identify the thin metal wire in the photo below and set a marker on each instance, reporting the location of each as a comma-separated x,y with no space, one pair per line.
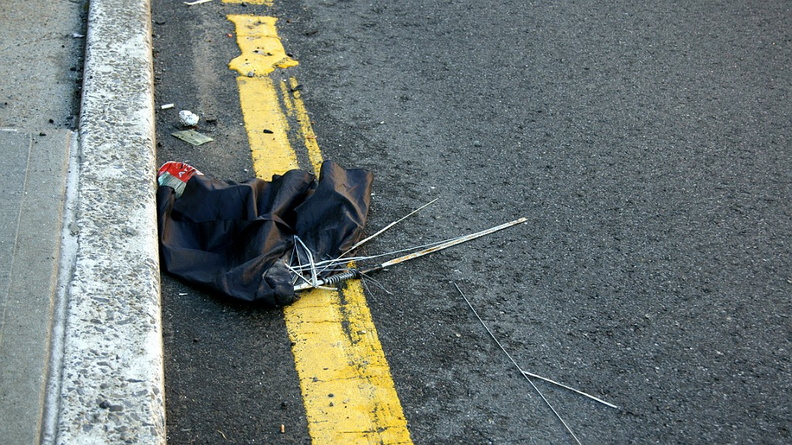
547,402
359,259
561,385
379,232
326,266
295,256
309,255
331,262
368,277
298,276
417,254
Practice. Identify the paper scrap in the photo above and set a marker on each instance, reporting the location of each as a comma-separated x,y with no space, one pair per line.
193,137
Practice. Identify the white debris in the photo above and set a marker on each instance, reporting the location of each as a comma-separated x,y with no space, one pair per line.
188,118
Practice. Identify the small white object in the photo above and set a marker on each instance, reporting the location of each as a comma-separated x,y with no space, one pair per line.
188,118
167,106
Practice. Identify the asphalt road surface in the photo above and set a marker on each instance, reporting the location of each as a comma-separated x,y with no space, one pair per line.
649,145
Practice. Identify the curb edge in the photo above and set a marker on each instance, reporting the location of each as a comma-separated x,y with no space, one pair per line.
112,384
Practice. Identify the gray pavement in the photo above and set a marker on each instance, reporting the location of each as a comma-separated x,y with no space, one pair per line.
37,110
647,142
33,182
80,342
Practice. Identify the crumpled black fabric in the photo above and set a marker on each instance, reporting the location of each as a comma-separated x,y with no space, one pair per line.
233,237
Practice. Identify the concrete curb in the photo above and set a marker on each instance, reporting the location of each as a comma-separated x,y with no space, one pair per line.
111,390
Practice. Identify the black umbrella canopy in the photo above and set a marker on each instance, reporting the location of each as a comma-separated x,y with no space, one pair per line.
236,238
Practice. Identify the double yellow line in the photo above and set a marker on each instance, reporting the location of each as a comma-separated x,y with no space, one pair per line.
346,384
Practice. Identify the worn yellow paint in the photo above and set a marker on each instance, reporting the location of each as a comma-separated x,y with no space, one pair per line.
346,384
261,52
266,126
261,49
306,129
288,104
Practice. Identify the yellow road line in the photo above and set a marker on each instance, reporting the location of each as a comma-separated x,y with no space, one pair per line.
346,384
266,126
261,49
261,52
306,129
